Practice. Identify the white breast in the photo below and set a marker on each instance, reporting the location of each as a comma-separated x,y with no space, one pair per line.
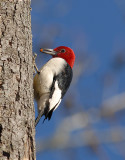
44,80
55,65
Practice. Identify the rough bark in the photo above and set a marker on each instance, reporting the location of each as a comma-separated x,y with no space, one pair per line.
16,82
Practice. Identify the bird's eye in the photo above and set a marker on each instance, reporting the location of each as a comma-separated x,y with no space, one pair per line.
62,50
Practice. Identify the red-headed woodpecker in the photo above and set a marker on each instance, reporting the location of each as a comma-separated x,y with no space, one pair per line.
52,80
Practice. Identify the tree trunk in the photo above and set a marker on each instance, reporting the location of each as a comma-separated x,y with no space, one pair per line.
17,116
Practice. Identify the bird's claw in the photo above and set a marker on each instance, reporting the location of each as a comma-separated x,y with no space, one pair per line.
34,64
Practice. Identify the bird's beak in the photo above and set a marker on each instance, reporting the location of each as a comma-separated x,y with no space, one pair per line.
48,51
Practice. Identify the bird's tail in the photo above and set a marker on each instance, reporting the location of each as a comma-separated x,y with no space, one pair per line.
41,113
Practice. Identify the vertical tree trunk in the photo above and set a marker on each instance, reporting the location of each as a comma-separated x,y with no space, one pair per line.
16,82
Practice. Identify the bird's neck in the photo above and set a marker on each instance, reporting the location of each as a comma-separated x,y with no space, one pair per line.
70,61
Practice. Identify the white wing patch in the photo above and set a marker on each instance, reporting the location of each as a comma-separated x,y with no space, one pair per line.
56,97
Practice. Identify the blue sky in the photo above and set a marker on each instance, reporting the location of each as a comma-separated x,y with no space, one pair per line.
95,30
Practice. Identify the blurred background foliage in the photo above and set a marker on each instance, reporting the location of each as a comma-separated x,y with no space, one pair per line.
90,122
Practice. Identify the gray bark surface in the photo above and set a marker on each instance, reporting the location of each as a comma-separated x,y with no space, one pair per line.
17,114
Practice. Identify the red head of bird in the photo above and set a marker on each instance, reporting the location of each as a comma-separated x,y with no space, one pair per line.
62,52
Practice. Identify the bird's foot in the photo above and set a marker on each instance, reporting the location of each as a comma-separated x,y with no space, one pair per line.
34,64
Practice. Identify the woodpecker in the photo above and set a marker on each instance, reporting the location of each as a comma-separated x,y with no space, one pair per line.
53,80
